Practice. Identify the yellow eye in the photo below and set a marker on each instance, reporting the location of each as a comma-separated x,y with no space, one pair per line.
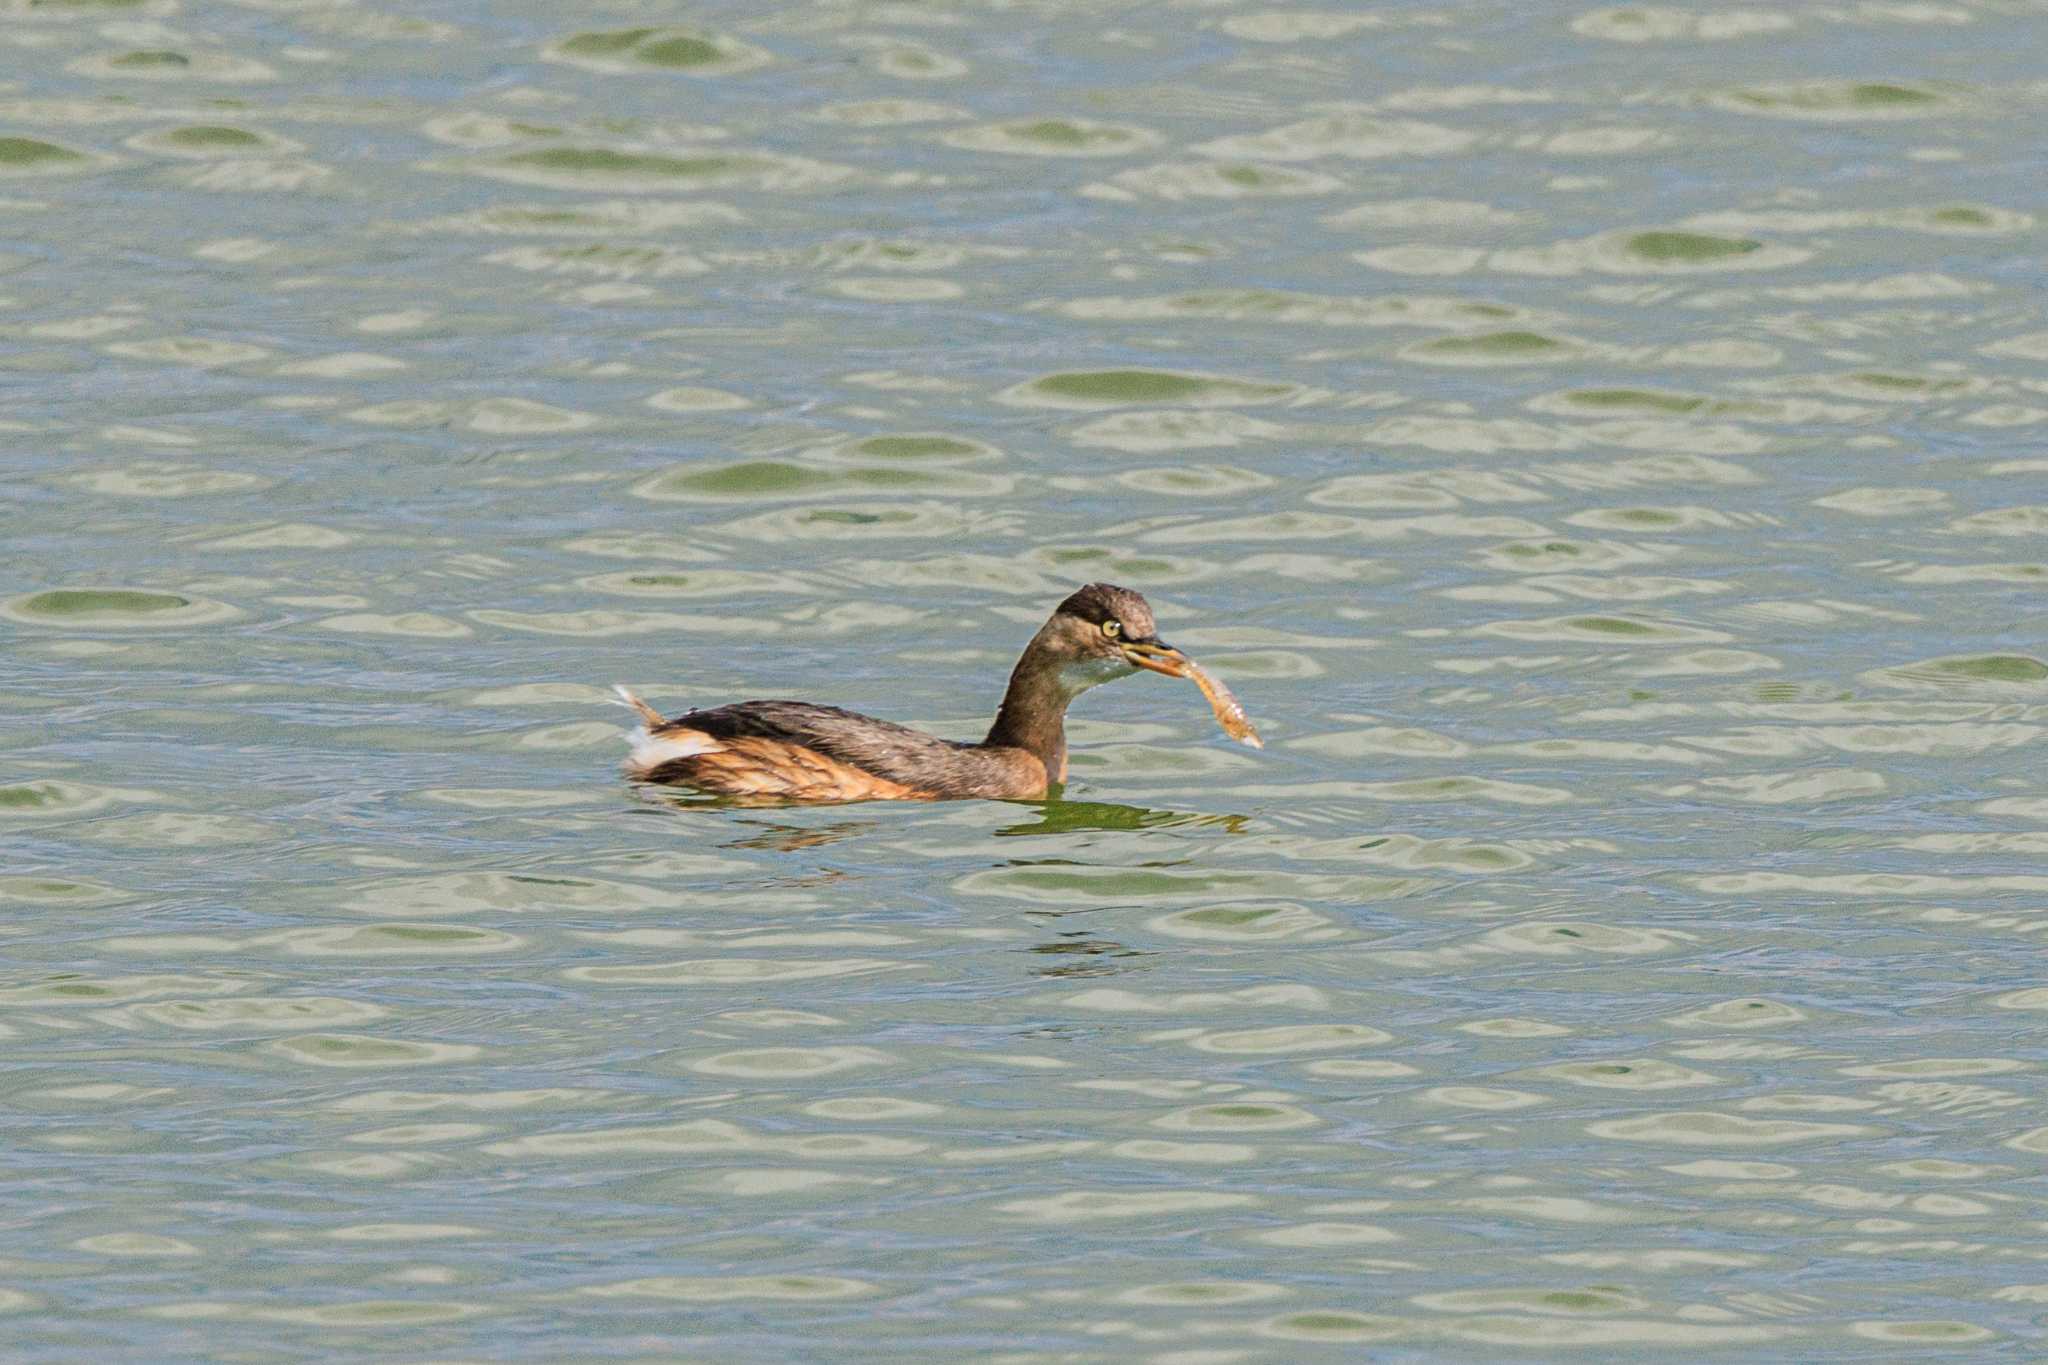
1112,628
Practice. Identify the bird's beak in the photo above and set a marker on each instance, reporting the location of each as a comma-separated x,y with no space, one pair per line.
1158,656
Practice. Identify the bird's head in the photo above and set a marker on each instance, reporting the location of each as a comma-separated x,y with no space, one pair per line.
1103,632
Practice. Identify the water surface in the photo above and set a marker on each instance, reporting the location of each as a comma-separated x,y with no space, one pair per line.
1602,447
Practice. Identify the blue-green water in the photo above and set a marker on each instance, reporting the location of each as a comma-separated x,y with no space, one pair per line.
1602,448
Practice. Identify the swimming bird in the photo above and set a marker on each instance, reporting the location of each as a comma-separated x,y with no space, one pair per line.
799,751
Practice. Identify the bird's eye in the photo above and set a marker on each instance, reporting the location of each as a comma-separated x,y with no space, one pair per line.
1112,628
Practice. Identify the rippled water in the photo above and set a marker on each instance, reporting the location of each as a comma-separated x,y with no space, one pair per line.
1602,447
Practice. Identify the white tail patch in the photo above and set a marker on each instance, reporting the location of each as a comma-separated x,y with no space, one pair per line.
651,751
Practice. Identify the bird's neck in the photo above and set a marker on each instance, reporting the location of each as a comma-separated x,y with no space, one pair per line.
1034,713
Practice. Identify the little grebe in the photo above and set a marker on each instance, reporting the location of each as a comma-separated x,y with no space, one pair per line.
796,751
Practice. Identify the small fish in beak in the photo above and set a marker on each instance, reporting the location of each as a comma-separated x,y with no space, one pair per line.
1160,657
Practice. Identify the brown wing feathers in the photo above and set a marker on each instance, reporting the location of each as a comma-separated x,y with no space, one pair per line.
755,766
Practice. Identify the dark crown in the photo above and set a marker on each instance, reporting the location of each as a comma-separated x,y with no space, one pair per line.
1099,602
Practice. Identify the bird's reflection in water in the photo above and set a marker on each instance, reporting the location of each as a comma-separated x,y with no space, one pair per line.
1077,952
1054,816
796,838
1074,817
1080,953
774,836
